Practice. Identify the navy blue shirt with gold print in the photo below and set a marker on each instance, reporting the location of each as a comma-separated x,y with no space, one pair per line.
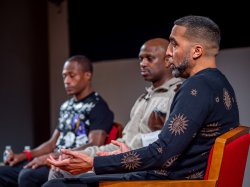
204,108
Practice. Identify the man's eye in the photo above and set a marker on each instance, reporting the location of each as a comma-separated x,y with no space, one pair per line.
150,59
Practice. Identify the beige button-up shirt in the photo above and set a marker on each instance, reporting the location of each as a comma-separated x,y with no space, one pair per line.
155,99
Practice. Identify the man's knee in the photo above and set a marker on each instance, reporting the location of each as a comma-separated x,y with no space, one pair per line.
33,177
25,176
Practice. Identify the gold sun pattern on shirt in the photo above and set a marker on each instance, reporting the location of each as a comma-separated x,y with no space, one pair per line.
131,160
160,150
194,135
205,154
161,172
211,130
215,124
196,175
170,161
194,92
217,99
227,99
178,124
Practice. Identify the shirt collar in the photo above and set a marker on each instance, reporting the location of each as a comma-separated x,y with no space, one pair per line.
164,87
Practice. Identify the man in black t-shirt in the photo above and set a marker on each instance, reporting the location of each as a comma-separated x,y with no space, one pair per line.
203,108
85,120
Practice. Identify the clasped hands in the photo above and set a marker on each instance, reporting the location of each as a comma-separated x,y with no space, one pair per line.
76,162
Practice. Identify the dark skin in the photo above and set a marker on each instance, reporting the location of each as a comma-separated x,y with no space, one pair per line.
154,66
77,84
192,56
154,63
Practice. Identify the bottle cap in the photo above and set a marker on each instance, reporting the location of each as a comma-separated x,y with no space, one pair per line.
26,147
27,152
7,147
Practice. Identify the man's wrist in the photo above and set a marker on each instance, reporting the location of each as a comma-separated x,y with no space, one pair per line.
28,154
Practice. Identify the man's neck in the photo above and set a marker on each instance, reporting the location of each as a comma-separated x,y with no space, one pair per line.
83,94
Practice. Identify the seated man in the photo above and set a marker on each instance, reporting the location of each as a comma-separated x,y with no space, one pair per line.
151,108
204,108
85,120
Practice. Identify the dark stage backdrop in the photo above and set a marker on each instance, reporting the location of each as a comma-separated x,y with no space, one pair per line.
105,32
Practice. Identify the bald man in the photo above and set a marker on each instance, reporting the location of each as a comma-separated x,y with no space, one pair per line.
150,110
204,107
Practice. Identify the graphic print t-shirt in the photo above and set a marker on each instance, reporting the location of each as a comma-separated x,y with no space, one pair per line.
74,120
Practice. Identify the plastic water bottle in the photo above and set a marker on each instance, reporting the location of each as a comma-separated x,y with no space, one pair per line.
27,152
26,148
7,152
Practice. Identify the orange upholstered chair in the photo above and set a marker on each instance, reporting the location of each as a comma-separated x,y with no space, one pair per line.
226,165
115,132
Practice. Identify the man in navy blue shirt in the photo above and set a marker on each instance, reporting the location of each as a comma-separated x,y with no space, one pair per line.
204,108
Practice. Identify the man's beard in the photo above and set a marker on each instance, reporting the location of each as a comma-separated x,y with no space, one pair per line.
178,71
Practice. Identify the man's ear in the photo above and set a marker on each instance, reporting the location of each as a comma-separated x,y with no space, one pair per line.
88,75
166,60
198,50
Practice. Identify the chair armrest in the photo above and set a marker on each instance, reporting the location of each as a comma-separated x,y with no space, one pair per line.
159,183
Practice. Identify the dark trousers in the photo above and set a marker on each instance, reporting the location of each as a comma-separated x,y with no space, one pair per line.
92,180
17,176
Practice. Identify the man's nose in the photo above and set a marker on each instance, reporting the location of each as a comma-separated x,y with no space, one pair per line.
143,63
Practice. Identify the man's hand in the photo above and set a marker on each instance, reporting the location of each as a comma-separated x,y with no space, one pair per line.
58,157
13,159
122,148
37,161
75,163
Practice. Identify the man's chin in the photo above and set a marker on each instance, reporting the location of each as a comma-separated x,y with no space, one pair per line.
70,93
146,77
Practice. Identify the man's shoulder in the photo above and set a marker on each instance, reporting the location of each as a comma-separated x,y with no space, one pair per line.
100,102
198,83
97,97
93,97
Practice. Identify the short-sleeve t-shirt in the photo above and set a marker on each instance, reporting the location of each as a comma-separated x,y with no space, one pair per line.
78,118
